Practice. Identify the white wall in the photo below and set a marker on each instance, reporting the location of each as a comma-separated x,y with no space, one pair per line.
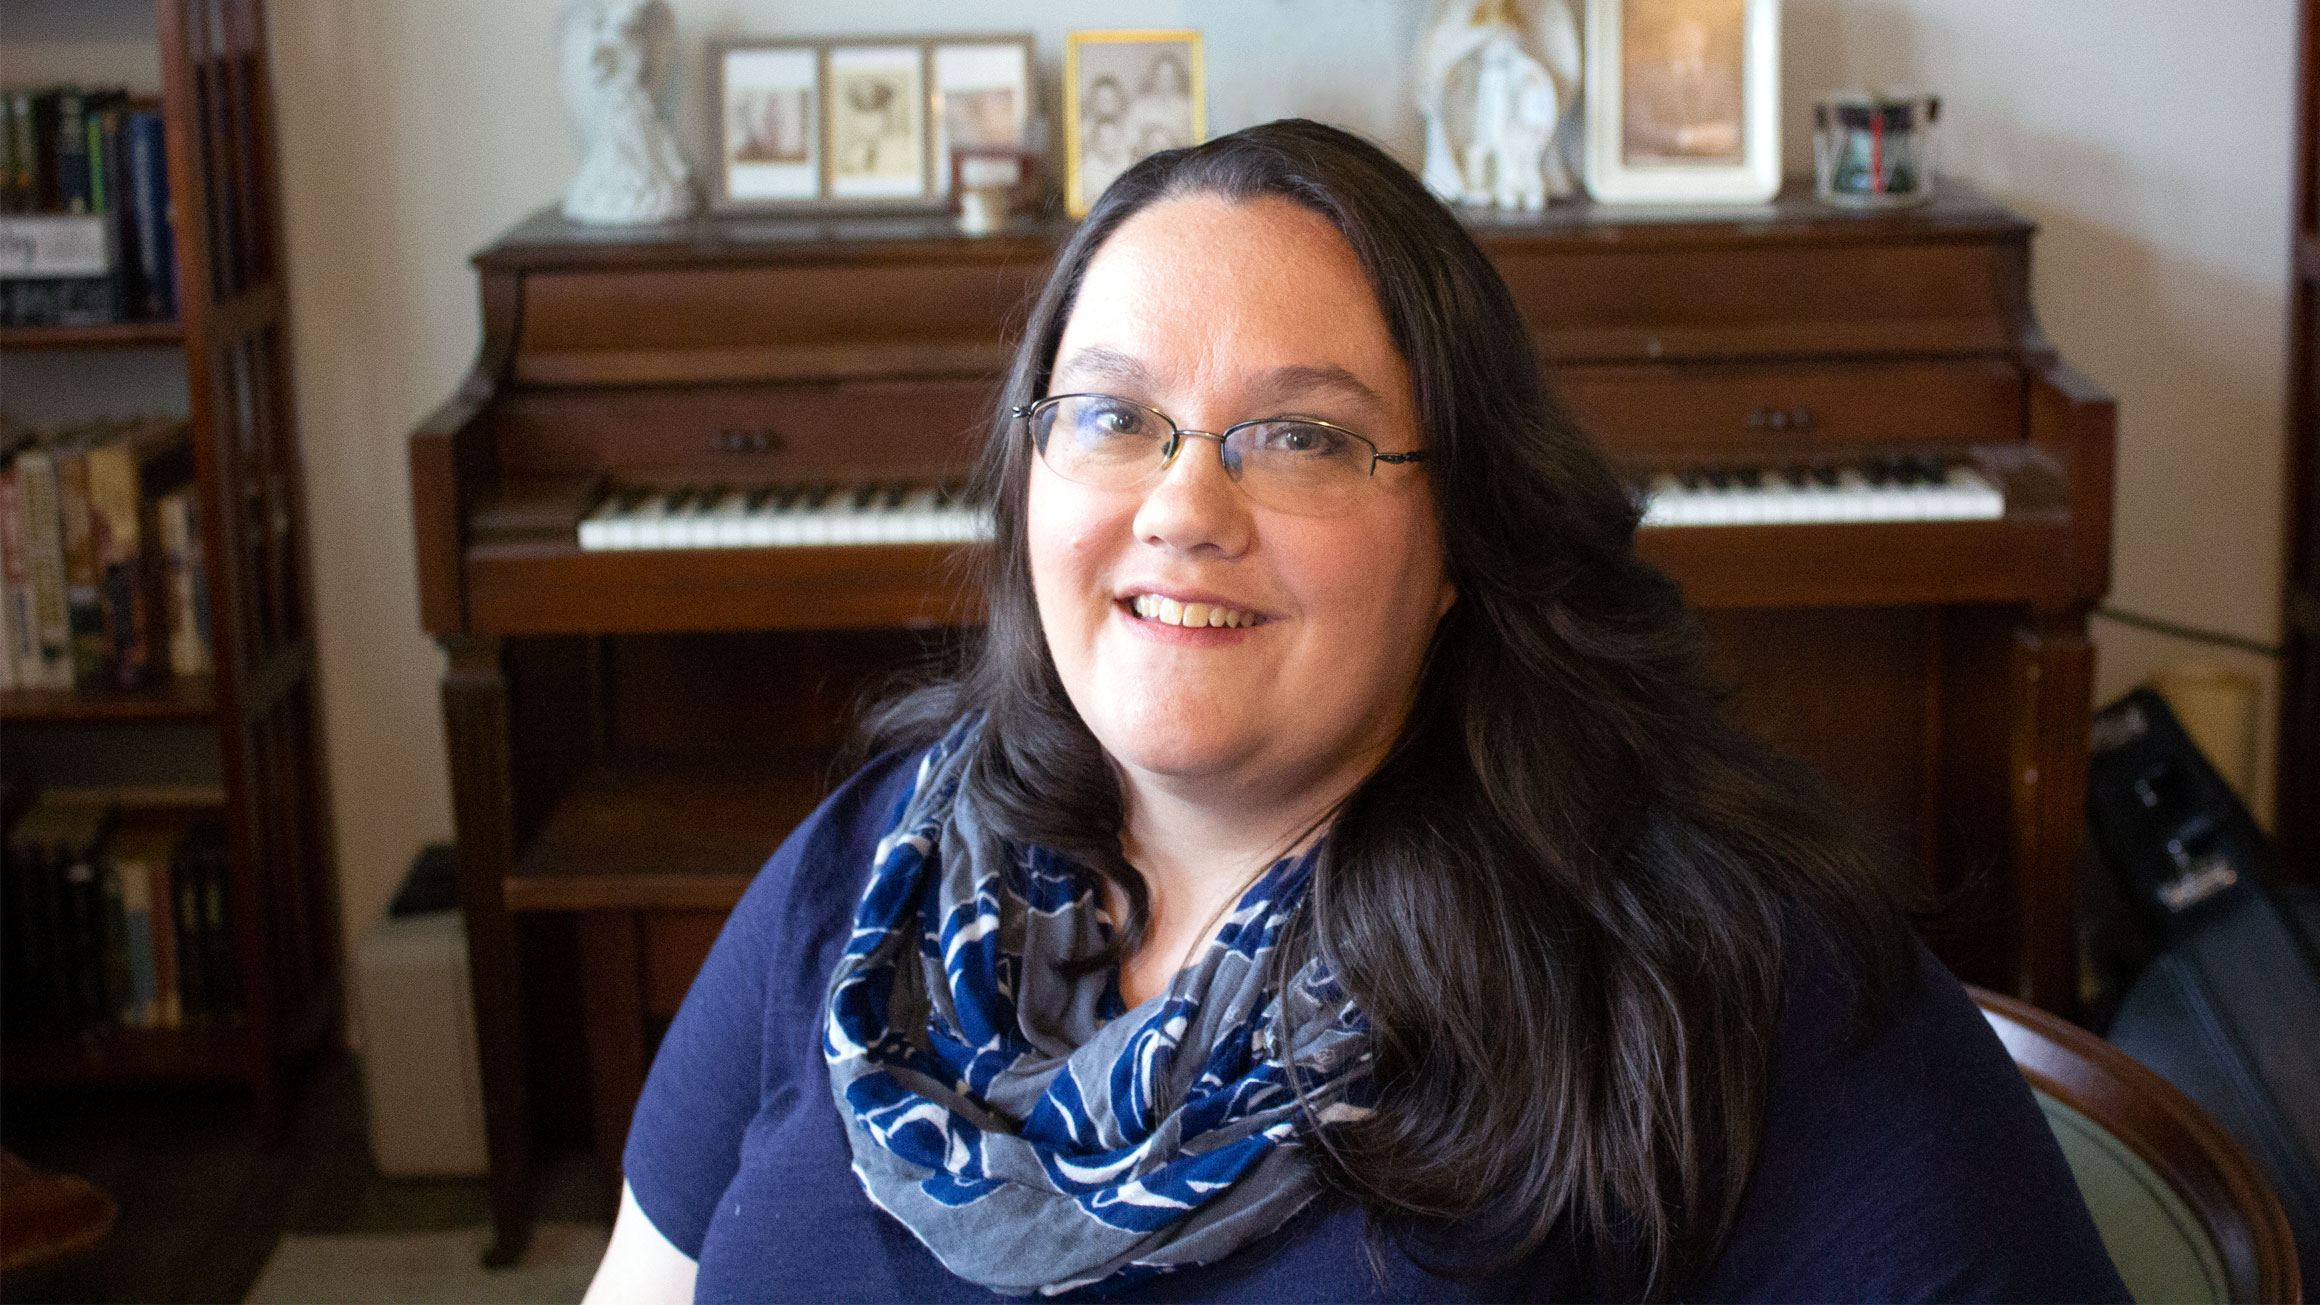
2149,139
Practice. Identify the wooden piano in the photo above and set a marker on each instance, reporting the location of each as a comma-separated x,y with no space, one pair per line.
701,491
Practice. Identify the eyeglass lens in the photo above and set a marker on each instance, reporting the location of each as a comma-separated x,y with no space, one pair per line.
1285,464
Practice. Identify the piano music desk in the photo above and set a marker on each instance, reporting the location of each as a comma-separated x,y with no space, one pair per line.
633,731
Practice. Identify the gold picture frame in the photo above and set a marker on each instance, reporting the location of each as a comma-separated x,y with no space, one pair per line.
1127,94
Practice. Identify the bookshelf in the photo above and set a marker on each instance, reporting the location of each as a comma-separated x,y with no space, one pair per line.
255,721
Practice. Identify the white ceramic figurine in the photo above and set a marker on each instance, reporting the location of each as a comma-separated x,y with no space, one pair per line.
617,56
1496,79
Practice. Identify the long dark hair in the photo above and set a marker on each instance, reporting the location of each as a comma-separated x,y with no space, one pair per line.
1565,899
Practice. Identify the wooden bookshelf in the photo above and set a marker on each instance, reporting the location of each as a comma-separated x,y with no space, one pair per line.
177,700
262,702
116,335
210,1053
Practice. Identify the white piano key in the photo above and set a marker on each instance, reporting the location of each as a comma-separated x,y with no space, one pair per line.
1962,495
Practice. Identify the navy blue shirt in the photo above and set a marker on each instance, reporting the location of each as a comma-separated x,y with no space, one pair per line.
1913,1165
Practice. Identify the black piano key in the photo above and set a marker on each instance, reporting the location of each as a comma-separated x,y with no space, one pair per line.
1798,475
864,493
1718,477
1877,471
1827,475
1749,477
816,495
1690,478
894,494
759,496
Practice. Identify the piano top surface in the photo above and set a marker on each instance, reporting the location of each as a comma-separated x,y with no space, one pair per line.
547,239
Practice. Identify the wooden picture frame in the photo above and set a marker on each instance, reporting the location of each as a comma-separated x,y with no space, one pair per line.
1127,94
857,124
1683,101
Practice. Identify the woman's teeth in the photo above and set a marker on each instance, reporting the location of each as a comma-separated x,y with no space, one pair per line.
1167,611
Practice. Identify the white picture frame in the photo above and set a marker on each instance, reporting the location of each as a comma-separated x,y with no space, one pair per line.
984,90
1683,101
768,125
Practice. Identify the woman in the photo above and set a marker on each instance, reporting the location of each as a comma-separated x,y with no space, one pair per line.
1329,878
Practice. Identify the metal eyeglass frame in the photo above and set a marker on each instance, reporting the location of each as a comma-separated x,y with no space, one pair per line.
1176,434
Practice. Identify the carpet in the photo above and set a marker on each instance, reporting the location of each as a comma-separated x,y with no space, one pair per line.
438,1268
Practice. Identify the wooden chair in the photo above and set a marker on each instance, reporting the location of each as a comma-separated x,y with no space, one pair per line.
2184,1211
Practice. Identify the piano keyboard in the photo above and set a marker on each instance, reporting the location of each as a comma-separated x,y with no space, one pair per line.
825,515
784,516
1873,489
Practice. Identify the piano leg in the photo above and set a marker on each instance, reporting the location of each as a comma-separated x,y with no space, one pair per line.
612,995
475,717
2053,666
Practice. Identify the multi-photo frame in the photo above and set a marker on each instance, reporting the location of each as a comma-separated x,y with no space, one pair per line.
862,124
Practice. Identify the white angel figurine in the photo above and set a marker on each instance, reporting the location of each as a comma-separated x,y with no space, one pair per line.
617,56
1495,80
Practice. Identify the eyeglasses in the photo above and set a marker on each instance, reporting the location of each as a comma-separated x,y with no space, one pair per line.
1288,464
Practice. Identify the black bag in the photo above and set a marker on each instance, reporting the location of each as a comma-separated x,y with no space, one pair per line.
2230,1010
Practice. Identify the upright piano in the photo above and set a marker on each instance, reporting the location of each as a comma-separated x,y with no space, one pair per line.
703,490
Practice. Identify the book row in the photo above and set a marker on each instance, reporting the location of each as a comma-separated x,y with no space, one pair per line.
103,583
114,919
85,230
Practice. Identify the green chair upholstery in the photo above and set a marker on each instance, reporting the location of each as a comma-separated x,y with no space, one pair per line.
2185,1214
2158,1244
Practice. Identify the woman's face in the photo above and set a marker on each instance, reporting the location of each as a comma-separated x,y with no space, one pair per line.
1218,312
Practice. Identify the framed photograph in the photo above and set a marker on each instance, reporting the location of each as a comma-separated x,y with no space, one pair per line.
1126,95
769,124
983,98
875,100
1683,101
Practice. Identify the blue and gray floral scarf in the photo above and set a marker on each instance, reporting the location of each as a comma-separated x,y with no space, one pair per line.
1032,1133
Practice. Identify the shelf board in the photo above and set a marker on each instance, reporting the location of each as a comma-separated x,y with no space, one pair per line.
178,698
117,335
194,1054
663,835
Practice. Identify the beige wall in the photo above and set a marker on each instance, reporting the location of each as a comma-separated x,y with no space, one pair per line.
2149,139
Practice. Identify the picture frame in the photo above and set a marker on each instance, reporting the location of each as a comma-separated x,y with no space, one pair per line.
986,93
1683,101
861,124
1127,94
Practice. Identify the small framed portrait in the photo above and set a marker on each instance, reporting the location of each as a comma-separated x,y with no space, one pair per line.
1683,101
1127,95
982,98
768,111
876,101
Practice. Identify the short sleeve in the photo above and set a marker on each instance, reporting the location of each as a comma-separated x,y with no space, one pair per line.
743,1029
1913,1165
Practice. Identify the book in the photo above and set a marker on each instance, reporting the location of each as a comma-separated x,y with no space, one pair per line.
44,196
54,848
130,468
187,597
44,559
207,983
109,165
92,662
72,152
17,189
140,853
23,629
156,241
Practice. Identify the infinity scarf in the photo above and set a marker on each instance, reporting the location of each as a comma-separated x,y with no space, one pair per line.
1032,1133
